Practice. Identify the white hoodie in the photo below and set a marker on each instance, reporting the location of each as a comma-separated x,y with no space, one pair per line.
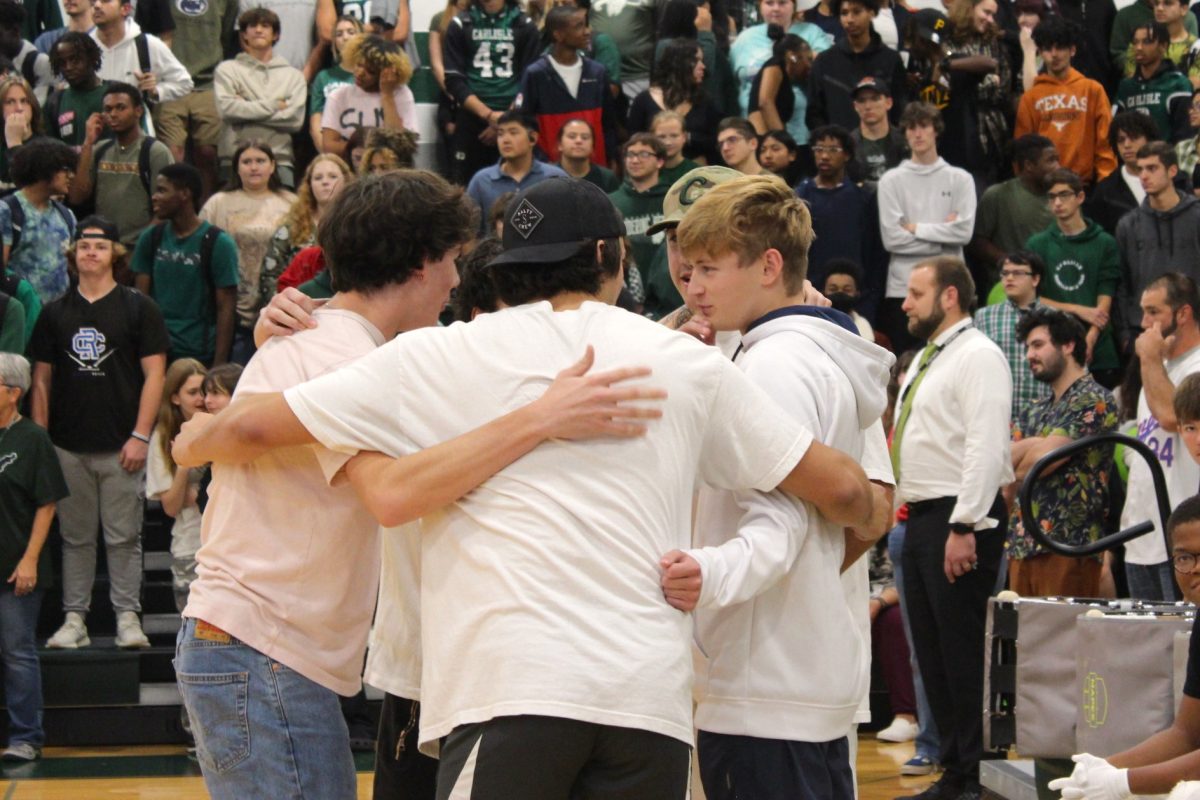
118,63
924,195
786,659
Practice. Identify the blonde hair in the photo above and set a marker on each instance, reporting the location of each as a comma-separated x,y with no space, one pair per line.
378,54
299,217
667,116
170,418
36,123
747,216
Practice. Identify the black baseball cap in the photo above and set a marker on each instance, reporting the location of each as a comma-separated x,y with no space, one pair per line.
552,219
931,25
108,229
872,84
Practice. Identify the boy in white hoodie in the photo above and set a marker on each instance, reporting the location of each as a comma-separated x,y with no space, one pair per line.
787,664
926,209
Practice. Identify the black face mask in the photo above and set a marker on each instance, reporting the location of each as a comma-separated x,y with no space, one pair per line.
841,301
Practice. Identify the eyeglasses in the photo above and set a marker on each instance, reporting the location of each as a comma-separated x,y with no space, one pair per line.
639,155
821,148
730,140
1065,195
1184,562
1015,273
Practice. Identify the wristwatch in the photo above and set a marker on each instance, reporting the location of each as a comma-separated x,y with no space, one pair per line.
961,527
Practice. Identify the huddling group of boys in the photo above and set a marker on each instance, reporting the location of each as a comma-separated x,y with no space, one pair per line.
533,600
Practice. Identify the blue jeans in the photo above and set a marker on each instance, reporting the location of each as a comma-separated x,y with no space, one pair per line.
927,743
1152,581
262,729
22,672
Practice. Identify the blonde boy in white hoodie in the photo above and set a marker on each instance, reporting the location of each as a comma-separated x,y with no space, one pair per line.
787,665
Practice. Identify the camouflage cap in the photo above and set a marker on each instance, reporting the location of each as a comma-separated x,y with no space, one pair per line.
687,190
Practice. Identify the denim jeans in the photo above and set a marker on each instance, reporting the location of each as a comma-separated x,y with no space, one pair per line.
262,729
927,743
22,672
1152,581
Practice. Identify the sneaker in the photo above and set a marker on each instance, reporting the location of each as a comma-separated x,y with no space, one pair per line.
22,752
129,631
71,635
918,765
941,789
901,730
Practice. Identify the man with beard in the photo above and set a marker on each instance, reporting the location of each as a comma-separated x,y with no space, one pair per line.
950,452
1169,349
1072,499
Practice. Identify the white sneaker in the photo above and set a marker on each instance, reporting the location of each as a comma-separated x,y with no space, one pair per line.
901,730
21,753
71,635
129,631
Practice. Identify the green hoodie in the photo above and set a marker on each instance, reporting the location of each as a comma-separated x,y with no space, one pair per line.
1079,269
641,210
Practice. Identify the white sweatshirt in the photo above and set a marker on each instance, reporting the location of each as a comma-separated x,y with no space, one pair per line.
118,63
248,94
786,659
924,195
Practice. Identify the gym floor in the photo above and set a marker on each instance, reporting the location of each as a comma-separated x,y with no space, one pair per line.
166,773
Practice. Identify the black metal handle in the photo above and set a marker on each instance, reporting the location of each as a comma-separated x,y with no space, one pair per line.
1025,497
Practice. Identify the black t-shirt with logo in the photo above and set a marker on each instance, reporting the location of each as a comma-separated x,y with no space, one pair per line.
95,350
30,477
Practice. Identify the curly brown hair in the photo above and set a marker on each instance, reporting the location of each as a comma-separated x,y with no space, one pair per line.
299,218
378,54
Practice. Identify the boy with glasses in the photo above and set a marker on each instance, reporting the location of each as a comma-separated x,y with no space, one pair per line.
738,142
1083,269
640,198
1021,274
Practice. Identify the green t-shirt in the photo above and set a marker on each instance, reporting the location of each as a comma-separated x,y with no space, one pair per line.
603,177
204,29
492,74
641,210
661,295
12,332
668,175
180,289
326,82
118,191
1009,214
40,16
66,113
631,25
320,287
30,477
27,296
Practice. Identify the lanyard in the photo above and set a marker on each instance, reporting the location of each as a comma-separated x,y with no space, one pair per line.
936,352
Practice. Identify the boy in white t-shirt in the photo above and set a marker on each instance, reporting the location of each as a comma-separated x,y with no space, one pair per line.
289,566
786,670
551,663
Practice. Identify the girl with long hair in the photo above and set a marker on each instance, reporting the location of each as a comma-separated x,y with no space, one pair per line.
676,85
777,97
325,177
754,47
249,209
977,49
175,488
22,120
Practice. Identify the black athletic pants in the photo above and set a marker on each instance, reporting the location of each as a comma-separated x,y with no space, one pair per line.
401,772
947,621
750,768
550,758
470,155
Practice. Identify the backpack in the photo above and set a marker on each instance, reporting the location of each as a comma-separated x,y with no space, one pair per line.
143,164
142,45
207,245
27,67
18,219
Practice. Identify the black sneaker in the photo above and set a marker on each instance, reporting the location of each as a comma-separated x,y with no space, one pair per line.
941,789
973,792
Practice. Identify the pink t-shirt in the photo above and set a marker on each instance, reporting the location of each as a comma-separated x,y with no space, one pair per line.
349,107
289,564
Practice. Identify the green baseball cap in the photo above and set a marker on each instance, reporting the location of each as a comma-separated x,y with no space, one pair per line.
686,191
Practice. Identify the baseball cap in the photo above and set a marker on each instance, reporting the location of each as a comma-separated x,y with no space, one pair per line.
686,191
552,219
108,229
930,24
873,84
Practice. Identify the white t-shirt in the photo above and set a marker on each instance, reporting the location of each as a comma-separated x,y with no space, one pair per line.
1181,472
185,532
540,590
1135,185
349,107
571,75
289,564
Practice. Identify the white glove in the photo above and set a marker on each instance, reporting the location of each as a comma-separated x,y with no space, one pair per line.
1093,779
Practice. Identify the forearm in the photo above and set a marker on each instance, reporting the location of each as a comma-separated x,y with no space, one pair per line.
39,532
174,499
391,115
149,402
81,184
834,483
1160,393
315,132
771,114
399,490
244,431
855,548
224,335
1162,747
1069,308
39,403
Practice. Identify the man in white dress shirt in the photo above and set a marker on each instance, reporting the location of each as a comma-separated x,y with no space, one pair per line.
950,450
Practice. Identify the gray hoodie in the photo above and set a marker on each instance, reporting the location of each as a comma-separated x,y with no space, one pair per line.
259,101
1153,243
